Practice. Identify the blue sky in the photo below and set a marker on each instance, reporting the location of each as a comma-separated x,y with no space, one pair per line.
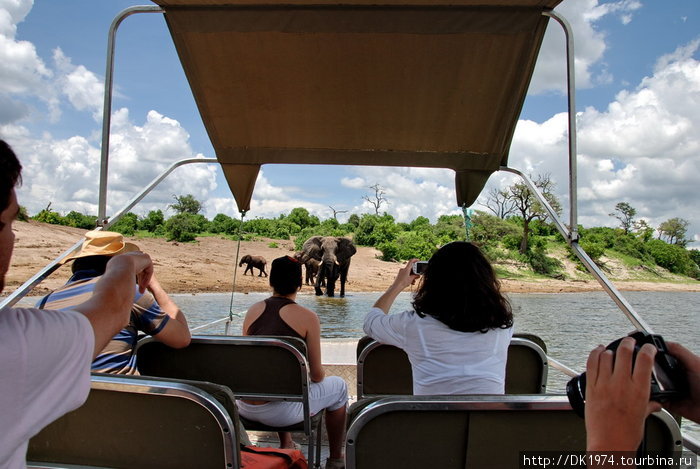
638,99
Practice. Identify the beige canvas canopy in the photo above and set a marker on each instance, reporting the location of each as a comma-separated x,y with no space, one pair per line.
423,83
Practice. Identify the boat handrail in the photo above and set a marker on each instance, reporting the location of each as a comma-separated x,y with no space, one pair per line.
44,273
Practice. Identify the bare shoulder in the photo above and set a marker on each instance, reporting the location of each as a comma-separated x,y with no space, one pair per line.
298,313
255,310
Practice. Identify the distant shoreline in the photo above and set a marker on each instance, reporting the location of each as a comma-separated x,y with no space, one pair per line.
208,266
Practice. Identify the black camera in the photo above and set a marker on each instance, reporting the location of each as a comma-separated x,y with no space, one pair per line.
668,377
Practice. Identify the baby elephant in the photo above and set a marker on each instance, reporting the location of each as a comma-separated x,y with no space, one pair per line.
258,262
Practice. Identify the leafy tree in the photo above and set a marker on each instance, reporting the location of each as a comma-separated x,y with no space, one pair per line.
222,223
375,230
152,222
489,229
354,220
499,202
625,213
419,224
186,204
674,230
378,199
407,245
528,206
126,225
301,217
643,230
450,228
79,220
695,256
182,227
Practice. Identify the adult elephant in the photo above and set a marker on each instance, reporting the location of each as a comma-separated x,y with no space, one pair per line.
257,262
334,253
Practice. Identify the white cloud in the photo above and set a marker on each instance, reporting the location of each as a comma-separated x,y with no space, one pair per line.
66,171
643,149
84,89
589,47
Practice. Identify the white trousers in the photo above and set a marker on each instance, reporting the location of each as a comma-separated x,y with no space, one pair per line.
331,394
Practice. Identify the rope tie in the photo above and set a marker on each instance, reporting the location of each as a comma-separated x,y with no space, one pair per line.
235,271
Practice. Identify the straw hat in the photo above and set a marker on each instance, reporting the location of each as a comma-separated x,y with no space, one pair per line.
102,243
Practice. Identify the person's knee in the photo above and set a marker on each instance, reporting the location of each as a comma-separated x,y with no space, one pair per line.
339,390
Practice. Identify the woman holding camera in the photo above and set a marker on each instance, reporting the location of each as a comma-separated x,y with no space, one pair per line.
457,334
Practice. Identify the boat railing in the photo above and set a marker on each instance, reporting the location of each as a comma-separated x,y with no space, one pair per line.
44,273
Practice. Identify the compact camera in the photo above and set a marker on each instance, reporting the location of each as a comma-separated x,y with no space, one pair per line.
668,377
419,267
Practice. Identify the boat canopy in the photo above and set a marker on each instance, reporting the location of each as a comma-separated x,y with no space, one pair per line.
421,83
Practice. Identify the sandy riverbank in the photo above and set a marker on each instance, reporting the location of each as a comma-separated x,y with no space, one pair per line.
207,265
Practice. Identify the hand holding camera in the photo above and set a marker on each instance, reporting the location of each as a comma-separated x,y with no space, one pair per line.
668,376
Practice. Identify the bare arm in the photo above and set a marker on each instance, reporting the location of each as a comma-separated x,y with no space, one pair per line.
404,278
313,345
110,304
176,332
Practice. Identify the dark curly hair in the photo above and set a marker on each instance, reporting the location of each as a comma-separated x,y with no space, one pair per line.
460,289
10,174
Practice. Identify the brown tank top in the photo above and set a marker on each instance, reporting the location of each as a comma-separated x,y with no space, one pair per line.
270,322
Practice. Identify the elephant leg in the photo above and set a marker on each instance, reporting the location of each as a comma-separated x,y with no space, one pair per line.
263,271
343,278
247,268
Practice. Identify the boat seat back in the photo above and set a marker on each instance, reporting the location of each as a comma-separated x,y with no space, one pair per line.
141,423
385,370
457,432
255,367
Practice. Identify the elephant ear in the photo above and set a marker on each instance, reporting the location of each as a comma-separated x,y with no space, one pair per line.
346,249
312,248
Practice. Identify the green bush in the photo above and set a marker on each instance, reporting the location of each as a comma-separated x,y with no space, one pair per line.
78,220
152,221
375,230
672,257
182,227
489,229
49,216
543,264
408,245
22,215
594,250
127,224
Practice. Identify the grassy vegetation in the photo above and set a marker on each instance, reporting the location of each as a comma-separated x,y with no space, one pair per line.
633,256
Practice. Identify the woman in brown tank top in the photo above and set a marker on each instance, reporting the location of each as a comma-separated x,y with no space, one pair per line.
281,315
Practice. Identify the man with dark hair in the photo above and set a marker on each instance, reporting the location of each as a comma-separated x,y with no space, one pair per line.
153,313
45,356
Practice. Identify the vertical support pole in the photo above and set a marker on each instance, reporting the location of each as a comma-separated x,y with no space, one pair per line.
570,79
107,107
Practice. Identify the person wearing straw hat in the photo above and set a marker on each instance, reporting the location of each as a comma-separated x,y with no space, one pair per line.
153,312
45,355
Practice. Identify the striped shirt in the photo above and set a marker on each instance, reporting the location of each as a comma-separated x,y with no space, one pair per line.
118,356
